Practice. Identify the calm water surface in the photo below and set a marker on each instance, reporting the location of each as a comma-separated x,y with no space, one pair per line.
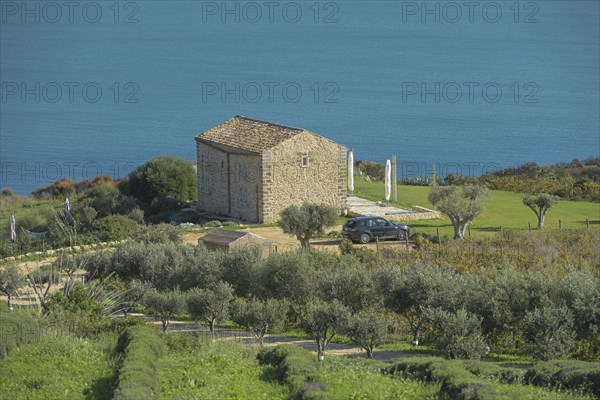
477,90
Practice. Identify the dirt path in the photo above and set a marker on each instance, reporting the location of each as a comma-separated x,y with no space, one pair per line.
244,337
283,242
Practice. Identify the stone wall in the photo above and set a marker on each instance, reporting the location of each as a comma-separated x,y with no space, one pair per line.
245,187
215,195
212,179
420,213
287,182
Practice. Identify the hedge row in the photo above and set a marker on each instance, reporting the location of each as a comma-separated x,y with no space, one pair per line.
296,368
569,374
464,380
139,371
16,327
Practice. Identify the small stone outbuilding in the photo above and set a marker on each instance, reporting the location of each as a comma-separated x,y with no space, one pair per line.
224,240
251,170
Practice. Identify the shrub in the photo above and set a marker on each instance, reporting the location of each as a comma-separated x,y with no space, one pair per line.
60,188
163,205
487,370
457,381
346,246
114,227
373,170
459,333
548,332
213,224
569,374
139,372
163,176
160,233
296,368
107,200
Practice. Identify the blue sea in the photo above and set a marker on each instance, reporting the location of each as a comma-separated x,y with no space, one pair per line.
99,87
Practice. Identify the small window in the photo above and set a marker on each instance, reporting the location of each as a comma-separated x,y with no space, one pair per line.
304,162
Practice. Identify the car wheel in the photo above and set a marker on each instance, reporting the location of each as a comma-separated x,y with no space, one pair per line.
365,238
401,235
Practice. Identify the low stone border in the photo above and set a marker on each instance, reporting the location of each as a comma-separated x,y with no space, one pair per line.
421,213
72,249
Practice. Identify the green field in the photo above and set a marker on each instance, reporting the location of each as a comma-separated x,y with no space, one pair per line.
59,367
502,209
220,371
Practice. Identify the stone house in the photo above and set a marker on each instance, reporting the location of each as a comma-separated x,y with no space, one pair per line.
251,170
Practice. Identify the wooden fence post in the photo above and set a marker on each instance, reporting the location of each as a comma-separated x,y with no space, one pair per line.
559,224
587,223
437,230
529,224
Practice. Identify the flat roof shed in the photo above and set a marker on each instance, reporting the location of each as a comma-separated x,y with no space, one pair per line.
225,240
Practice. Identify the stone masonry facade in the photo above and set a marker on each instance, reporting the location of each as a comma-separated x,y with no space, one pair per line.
251,170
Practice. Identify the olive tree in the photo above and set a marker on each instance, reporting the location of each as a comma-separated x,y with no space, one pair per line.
164,305
289,276
307,220
239,269
422,286
10,282
579,291
540,204
323,321
548,332
461,204
211,304
367,329
459,333
259,316
501,300
353,287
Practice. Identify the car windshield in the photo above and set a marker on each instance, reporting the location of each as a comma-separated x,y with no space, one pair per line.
350,224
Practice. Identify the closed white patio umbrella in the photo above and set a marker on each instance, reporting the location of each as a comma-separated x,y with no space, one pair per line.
351,171
388,180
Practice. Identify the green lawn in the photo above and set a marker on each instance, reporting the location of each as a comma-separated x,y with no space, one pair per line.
502,209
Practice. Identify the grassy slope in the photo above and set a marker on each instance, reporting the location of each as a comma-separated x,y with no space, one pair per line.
501,209
220,371
59,368
28,212
358,378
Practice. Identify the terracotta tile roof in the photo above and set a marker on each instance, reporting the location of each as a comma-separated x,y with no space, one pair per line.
248,134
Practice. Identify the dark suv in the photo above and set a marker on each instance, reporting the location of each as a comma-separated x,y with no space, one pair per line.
365,229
